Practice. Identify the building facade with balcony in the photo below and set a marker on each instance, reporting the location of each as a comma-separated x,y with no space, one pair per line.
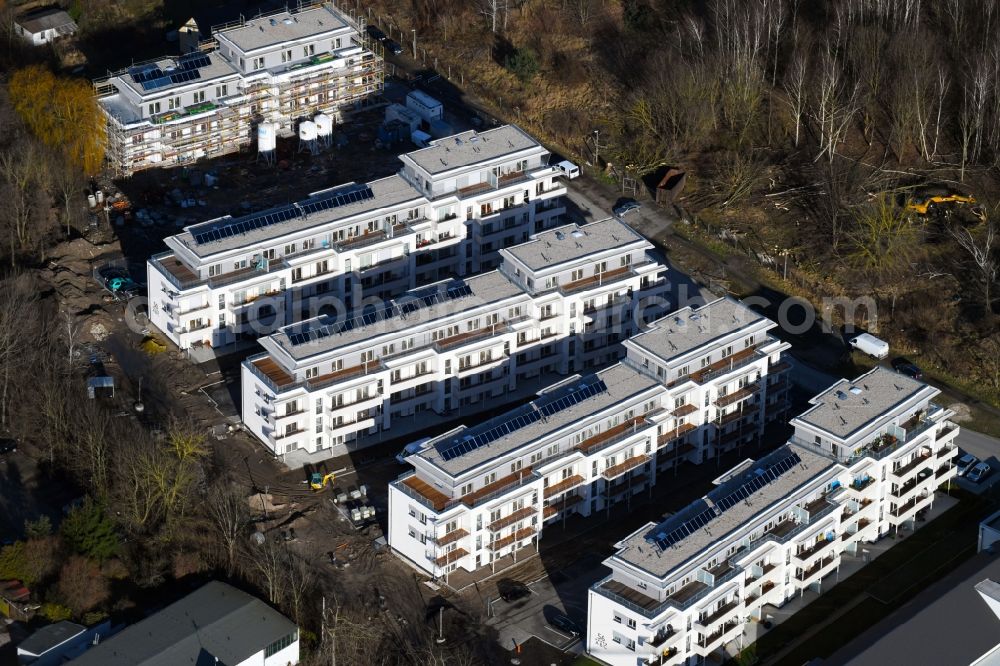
229,279
451,346
680,592
275,68
479,494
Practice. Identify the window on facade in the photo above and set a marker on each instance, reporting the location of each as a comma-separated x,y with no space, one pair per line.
309,50
280,644
222,91
199,96
154,108
258,63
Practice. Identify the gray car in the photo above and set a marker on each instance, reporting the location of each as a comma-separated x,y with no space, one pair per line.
625,207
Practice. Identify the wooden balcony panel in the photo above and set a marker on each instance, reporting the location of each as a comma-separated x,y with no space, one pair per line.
448,558
566,484
561,504
733,360
595,280
274,372
684,410
630,594
598,439
736,396
675,433
516,536
499,484
624,466
438,499
520,514
454,535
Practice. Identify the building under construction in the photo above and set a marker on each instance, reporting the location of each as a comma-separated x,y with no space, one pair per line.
259,75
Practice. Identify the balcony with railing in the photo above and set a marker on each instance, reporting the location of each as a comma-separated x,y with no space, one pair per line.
726,365
821,565
519,535
807,553
902,512
444,344
565,502
745,392
567,484
452,536
904,470
675,433
451,556
625,466
663,637
514,517
719,614
499,487
594,281
711,641
618,433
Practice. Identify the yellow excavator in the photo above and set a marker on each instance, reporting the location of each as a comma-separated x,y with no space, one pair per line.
319,481
921,203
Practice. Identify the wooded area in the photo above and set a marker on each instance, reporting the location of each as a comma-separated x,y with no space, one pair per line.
804,128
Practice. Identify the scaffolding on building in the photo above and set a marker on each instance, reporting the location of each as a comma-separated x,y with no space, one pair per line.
212,129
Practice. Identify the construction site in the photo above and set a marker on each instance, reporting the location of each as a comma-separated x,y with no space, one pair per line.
211,101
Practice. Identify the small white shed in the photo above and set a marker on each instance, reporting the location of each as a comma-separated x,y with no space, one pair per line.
44,26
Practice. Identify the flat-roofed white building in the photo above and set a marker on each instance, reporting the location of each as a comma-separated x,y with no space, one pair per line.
275,69
478,494
453,345
233,278
681,590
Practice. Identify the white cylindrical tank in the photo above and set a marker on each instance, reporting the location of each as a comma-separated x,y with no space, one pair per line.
324,124
91,201
266,137
100,196
307,130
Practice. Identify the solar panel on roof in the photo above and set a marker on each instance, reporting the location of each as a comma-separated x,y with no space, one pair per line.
143,74
185,75
194,60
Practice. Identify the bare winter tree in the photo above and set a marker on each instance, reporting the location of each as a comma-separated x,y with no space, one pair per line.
18,307
227,507
981,248
835,105
795,89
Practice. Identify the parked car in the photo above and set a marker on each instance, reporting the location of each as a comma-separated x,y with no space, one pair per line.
512,590
564,624
869,344
393,47
375,33
7,446
626,206
905,367
568,169
979,472
965,463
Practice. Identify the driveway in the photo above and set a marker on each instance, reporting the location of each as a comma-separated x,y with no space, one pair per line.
563,591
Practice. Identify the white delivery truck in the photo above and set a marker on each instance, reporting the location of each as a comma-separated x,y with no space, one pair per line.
870,345
568,169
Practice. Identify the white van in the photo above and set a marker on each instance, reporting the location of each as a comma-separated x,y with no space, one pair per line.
410,449
568,169
870,345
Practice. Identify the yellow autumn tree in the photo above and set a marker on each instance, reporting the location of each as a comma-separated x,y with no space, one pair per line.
62,112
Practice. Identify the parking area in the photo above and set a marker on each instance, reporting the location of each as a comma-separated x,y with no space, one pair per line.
561,592
987,450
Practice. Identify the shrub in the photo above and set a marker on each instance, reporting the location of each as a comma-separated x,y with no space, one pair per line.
55,612
88,531
523,63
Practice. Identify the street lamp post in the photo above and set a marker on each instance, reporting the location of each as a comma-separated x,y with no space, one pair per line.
414,43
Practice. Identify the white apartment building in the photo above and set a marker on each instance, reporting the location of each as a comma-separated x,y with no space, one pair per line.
455,344
478,494
448,212
864,461
276,68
